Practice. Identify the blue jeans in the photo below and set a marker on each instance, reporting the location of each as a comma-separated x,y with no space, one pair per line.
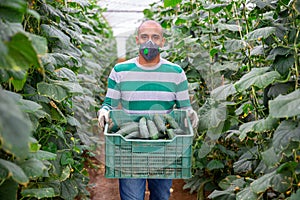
134,189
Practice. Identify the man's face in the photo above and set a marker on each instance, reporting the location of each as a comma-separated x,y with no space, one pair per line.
150,31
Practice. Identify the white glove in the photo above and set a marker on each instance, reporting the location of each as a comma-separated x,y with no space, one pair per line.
103,117
193,117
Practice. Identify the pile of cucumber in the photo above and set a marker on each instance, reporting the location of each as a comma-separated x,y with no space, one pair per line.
159,127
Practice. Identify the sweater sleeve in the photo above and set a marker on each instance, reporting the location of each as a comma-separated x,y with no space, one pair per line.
113,93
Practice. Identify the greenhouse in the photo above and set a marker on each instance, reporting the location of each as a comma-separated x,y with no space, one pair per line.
224,124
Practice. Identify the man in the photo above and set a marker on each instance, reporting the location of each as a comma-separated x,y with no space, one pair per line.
144,85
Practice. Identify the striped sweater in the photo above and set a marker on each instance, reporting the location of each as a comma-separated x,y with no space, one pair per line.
145,90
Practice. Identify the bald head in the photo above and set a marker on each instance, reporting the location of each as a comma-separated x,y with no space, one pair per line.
150,24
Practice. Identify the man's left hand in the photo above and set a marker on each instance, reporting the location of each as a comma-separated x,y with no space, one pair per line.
193,117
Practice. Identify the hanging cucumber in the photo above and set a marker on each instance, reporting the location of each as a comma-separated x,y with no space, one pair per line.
153,131
144,133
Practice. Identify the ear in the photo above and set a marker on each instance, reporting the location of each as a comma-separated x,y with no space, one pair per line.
163,42
136,39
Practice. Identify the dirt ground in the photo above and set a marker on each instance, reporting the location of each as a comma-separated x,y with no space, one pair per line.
108,189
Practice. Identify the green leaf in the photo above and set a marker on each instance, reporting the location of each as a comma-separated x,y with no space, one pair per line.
269,157
69,189
222,195
283,64
258,126
54,33
246,194
259,77
29,106
12,11
281,182
231,181
22,54
39,193
262,183
171,3
13,124
14,171
246,161
52,91
214,164
33,168
9,189
234,45
222,92
229,27
295,196
66,73
212,114
260,33
42,155
286,132
72,87
285,105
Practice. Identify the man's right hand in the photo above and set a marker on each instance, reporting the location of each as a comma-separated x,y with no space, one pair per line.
103,117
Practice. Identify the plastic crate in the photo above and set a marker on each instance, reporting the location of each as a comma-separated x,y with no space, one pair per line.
138,158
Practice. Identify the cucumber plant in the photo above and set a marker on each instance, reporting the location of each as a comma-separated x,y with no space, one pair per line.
242,62
52,65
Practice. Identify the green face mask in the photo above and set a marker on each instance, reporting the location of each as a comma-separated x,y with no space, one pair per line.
149,50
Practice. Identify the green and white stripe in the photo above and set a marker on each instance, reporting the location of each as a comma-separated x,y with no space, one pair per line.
142,90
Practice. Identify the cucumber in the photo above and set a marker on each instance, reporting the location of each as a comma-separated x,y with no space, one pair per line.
171,121
133,135
170,133
144,133
128,128
153,131
160,123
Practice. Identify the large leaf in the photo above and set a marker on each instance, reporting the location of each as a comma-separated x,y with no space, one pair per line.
12,11
234,45
69,189
66,73
246,161
33,168
285,105
222,92
55,92
222,195
54,33
42,155
258,126
15,128
246,194
22,54
9,189
39,193
286,132
283,64
259,77
14,171
262,183
269,157
212,114
72,87
260,33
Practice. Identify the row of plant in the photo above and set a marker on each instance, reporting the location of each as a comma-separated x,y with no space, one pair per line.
242,61
52,66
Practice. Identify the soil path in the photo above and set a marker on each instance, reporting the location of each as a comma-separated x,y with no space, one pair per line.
108,189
